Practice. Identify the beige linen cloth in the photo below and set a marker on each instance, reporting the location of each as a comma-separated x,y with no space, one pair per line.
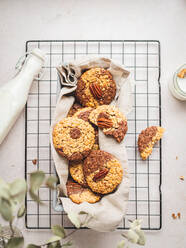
106,214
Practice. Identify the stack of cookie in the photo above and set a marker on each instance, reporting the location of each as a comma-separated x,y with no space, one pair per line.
93,172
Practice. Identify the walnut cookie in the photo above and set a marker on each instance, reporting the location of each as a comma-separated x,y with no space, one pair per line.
73,138
95,87
79,194
102,171
147,139
76,172
111,120
83,114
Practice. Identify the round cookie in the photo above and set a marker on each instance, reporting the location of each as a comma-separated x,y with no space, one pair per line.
78,194
83,114
75,107
76,172
95,87
147,139
111,120
102,171
73,138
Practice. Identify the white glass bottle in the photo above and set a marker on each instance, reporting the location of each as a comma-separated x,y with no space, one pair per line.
14,94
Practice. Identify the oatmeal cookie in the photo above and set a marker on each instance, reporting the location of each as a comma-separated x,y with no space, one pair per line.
79,194
111,120
76,172
95,87
73,138
75,107
147,139
83,114
102,171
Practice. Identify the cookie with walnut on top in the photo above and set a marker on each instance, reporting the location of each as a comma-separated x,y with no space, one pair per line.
147,139
111,120
95,87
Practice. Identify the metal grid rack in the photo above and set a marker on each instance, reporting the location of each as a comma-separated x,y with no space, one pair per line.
142,58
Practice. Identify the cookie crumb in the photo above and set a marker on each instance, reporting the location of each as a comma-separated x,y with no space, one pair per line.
179,215
174,216
34,161
182,178
176,157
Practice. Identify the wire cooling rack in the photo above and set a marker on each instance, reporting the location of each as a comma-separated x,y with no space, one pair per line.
142,58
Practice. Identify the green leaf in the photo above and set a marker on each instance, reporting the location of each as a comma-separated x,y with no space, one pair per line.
35,197
121,244
51,181
4,189
18,187
132,236
69,243
16,242
141,237
33,246
73,217
53,239
36,180
59,231
82,212
54,245
21,211
5,209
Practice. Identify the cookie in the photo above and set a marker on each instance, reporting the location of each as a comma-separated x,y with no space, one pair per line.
102,171
95,87
83,114
147,139
79,194
73,138
76,172
75,107
111,120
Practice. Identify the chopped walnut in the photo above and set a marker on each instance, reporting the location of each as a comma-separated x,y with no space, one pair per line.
179,215
174,216
34,161
182,178
182,73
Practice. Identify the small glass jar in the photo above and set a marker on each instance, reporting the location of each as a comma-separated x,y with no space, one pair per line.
175,85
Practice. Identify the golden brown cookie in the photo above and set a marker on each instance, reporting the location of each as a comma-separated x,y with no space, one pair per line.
95,87
111,120
147,139
76,172
102,171
73,138
83,114
75,107
79,194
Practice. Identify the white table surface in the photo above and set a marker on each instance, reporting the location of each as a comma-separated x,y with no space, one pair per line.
105,19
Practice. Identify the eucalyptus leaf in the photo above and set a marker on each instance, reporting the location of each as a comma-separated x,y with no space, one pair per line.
6,209
136,224
53,239
33,246
35,197
132,236
73,217
121,244
82,212
36,180
18,187
69,243
54,245
141,239
4,189
50,182
59,231
21,211
16,242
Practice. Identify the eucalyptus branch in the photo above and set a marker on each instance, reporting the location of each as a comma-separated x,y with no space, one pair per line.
11,228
